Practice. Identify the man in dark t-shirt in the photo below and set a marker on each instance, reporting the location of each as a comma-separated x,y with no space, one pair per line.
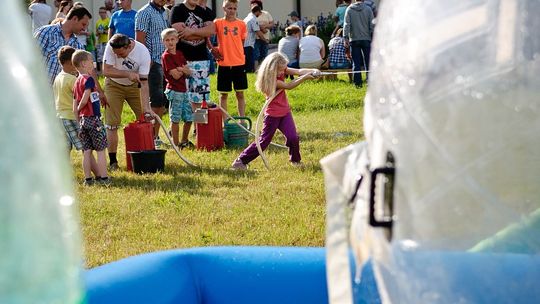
211,41
202,3
194,25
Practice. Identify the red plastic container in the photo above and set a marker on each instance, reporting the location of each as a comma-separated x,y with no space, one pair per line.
210,135
139,136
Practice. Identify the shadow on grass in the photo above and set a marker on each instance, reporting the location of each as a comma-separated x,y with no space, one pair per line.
329,136
180,178
224,172
157,182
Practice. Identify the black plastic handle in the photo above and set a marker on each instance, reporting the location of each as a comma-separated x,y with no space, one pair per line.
388,220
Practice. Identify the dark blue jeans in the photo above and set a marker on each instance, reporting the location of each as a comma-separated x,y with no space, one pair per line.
360,50
155,86
293,64
250,60
260,50
212,68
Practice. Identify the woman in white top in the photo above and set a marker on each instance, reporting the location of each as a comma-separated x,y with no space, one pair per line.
312,49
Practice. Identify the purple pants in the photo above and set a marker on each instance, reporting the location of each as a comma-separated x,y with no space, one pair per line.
270,124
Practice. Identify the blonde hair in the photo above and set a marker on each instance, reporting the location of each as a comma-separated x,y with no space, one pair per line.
311,30
79,56
267,75
168,32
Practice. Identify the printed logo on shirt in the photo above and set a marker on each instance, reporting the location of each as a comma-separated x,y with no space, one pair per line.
194,21
234,31
128,63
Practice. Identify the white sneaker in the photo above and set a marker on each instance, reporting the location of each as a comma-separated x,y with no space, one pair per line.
238,165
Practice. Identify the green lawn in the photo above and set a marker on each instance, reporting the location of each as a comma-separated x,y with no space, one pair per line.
213,205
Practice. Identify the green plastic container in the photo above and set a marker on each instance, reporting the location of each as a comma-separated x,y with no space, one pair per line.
233,135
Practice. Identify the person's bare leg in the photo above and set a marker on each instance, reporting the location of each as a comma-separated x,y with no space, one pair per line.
101,163
175,129
159,111
94,166
194,107
112,139
185,131
223,102
86,164
241,103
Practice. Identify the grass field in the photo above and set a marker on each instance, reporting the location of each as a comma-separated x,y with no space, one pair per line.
213,205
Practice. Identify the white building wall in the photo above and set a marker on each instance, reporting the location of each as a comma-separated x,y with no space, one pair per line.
279,9
312,9
91,5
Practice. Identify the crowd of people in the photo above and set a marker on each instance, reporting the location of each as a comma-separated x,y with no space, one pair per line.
350,42
158,60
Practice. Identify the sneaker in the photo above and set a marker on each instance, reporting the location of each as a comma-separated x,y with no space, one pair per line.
187,144
238,165
114,167
105,181
88,182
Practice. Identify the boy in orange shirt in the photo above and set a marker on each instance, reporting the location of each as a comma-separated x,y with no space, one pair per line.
231,33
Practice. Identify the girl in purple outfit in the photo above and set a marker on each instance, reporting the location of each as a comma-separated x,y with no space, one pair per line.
271,78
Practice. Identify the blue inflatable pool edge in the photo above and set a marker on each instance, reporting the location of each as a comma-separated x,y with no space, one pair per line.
217,275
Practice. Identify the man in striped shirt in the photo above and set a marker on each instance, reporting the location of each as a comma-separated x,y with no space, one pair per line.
52,37
150,21
253,31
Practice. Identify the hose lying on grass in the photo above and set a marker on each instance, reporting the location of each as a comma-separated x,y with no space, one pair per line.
244,128
182,157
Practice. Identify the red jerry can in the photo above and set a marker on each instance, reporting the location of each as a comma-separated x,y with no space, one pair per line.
210,135
139,136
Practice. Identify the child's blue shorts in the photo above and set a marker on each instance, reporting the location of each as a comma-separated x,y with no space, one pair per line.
179,106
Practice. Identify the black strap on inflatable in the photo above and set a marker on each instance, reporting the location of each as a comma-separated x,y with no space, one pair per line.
387,195
359,179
